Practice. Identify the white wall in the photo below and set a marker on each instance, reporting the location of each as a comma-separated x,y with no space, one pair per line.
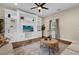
68,23
1,13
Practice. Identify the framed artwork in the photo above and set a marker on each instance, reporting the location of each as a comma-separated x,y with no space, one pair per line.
28,28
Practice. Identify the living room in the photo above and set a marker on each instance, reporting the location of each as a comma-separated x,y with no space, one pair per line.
24,28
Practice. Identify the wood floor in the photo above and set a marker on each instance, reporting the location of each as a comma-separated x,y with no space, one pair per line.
27,42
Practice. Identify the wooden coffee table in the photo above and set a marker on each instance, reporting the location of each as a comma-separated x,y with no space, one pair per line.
53,43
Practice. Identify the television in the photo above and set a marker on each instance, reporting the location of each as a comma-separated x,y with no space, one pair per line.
27,28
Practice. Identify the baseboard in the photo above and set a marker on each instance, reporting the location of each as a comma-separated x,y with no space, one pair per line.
65,41
25,42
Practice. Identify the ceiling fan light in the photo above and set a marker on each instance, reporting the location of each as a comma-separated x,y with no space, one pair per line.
39,8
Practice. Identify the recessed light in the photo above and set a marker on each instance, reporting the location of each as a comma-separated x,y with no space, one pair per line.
15,4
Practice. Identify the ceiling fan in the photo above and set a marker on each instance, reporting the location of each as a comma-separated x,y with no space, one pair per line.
40,6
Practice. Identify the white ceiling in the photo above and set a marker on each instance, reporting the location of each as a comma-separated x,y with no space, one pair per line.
53,7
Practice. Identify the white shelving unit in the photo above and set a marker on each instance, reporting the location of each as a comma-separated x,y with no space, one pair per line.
10,24
14,25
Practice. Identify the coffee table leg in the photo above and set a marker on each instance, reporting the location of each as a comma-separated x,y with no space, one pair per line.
49,50
40,44
58,50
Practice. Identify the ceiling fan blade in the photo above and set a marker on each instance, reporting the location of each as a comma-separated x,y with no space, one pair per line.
42,4
36,4
45,8
33,8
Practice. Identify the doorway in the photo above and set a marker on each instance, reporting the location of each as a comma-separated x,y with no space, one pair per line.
2,26
54,31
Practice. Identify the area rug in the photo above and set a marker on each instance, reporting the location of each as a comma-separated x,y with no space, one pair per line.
34,49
